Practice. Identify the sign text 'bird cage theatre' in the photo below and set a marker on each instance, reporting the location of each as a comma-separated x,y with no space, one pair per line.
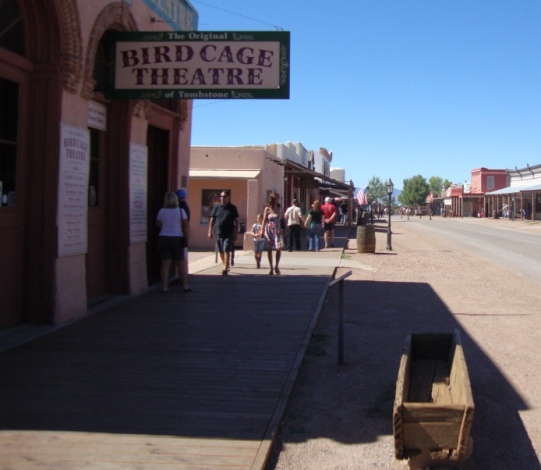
199,65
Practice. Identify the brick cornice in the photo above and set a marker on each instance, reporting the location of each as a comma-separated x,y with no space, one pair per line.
115,16
71,44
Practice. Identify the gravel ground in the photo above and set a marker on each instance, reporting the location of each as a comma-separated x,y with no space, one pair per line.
339,416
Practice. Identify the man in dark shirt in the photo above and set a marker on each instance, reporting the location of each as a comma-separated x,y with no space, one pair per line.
224,224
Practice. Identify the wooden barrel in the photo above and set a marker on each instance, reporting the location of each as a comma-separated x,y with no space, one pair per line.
366,239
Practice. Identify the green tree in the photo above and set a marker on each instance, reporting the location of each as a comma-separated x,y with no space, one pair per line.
447,184
435,184
376,189
414,191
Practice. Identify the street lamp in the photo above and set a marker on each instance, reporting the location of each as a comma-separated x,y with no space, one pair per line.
390,193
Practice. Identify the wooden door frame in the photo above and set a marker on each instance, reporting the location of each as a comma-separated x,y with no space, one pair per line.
117,216
152,164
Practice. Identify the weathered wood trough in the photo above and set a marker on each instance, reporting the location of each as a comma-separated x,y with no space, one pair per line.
433,408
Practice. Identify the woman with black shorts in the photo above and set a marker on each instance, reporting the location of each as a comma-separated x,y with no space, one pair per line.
173,224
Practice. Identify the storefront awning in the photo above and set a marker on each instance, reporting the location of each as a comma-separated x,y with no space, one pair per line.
515,190
320,181
224,174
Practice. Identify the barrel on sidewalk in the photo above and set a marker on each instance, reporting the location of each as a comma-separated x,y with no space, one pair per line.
366,239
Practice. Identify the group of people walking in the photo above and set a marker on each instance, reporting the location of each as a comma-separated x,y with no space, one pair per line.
321,220
269,232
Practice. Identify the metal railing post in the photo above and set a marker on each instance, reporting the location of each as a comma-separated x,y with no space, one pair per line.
340,282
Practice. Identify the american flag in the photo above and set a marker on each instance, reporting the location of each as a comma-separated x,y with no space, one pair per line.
361,197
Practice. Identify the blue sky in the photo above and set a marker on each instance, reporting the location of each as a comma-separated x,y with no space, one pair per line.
394,88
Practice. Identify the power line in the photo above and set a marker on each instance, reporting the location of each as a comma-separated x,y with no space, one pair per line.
208,104
238,14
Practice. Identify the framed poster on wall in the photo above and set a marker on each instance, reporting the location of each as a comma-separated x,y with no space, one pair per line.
209,197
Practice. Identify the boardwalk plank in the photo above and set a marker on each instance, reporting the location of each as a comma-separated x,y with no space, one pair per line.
68,450
178,381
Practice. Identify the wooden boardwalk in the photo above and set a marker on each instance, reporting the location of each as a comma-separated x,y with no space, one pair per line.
176,381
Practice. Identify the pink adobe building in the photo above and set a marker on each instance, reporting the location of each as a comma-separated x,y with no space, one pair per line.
484,180
251,173
82,175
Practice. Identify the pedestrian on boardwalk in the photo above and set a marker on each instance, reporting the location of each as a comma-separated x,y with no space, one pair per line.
173,224
182,195
314,223
329,213
224,224
272,230
294,219
344,211
259,242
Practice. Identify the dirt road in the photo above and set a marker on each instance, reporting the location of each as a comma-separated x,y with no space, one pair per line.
339,417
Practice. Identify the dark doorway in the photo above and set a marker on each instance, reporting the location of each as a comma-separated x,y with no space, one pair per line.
158,157
12,228
96,257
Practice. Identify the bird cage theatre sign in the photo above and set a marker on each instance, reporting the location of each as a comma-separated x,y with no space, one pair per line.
199,65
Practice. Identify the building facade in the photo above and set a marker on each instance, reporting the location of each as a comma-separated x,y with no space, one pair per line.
299,163
81,176
484,180
520,198
250,173
467,200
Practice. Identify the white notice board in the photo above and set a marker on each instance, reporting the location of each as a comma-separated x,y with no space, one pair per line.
138,193
73,190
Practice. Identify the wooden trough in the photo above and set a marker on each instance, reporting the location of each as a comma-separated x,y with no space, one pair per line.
433,408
